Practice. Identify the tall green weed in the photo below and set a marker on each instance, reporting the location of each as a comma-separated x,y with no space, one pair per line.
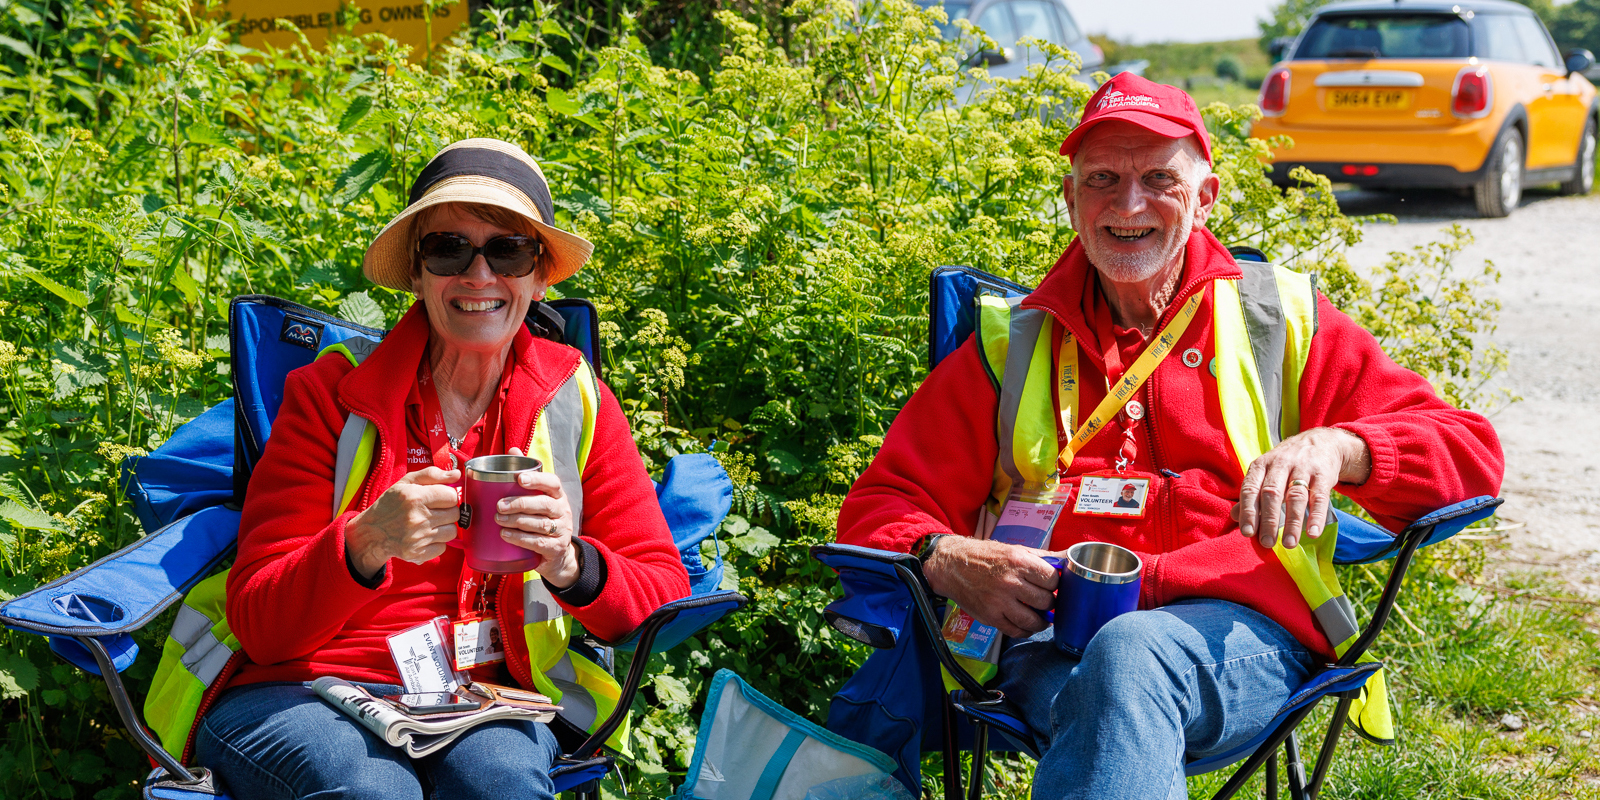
764,223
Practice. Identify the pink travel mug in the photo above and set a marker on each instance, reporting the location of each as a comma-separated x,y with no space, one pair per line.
488,479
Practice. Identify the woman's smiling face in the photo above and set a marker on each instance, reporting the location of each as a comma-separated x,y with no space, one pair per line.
477,310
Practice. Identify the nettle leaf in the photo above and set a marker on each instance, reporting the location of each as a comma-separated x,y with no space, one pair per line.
18,676
361,309
357,78
186,284
203,131
67,293
76,371
559,102
323,273
556,64
756,543
134,318
783,462
673,691
366,171
30,518
22,49
549,28
354,114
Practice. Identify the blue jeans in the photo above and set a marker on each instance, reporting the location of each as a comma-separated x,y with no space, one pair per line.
280,741
1192,679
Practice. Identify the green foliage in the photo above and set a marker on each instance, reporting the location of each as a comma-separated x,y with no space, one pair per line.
1289,18
1577,24
1228,68
1574,24
766,204
1179,63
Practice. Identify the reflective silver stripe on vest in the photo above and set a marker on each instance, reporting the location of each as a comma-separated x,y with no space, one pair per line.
345,456
1269,334
537,604
1024,336
204,656
577,705
1338,619
565,424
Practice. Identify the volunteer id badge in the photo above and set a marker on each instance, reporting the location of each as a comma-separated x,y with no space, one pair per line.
477,642
423,658
1111,494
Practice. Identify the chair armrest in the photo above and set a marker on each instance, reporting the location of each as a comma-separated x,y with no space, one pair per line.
1361,542
125,590
880,587
1430,529
671,623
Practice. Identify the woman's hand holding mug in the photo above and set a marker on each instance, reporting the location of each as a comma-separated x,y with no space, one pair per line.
541,522
412,521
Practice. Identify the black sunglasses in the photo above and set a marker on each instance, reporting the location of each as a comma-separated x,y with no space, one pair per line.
512,256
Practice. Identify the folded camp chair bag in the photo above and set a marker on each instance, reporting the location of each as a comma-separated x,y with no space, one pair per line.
751,748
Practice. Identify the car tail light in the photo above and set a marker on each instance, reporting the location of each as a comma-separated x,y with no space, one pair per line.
1364,170
1473,93
1275,93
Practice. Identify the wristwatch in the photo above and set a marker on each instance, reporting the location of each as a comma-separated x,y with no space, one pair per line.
928,544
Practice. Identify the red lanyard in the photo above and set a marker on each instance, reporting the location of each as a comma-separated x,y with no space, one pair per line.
447,454
472,598
1112,354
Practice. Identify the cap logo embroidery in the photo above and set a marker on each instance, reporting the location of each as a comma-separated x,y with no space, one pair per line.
1116,99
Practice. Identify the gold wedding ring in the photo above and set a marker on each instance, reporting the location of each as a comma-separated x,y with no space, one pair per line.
1297,482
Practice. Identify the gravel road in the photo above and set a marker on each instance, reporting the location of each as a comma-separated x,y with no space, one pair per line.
1548,253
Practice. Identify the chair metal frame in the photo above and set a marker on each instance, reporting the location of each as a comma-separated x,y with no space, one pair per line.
578,771
975,697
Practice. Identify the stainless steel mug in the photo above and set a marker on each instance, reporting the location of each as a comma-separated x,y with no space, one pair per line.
1099,581
488,479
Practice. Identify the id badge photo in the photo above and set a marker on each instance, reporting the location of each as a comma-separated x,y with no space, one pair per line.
1114,494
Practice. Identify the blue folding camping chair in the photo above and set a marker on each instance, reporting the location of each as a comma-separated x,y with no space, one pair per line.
896,702
188,493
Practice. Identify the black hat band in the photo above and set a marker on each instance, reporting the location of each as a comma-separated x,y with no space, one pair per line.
486,163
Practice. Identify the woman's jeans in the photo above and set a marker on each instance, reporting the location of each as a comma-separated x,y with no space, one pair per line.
281,741
1189,680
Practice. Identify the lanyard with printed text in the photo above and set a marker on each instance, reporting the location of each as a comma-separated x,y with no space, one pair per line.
1116,396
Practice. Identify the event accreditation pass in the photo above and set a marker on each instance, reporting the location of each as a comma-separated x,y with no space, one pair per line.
1027,520
422,656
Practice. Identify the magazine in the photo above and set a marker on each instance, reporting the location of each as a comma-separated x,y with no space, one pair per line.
1027,520
419,736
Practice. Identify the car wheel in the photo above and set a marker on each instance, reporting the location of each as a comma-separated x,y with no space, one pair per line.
1501,187
1583,181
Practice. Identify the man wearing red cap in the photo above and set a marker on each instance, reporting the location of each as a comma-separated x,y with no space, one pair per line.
1142,323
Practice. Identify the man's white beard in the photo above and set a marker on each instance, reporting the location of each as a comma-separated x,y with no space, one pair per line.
1142,266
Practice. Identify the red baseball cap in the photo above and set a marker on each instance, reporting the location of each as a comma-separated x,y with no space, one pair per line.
1158,108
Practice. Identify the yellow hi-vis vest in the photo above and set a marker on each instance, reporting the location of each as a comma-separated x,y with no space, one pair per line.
202,645
1262,326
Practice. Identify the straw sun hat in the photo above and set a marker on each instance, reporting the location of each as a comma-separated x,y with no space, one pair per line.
486,171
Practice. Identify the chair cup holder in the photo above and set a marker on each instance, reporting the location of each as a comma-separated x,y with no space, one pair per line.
89,608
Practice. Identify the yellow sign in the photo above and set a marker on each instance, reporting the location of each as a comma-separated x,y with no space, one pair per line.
415,24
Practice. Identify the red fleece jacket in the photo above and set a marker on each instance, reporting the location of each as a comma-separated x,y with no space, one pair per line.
291,599
934,470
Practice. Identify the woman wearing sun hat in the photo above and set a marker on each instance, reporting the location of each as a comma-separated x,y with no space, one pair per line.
459,376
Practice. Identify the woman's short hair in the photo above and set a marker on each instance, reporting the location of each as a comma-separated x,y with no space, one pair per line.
494,215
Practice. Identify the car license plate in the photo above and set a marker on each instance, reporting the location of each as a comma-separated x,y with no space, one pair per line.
1368,99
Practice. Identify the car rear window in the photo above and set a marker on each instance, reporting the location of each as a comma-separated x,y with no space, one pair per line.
1386,36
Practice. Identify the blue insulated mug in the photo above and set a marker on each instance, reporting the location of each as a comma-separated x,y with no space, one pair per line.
1098,582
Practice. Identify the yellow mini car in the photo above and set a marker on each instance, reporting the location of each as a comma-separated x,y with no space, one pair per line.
1423,93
